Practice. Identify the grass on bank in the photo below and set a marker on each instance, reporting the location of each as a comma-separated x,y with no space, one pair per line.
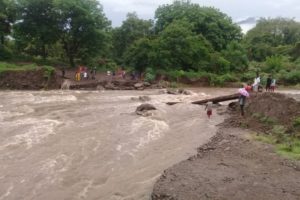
4,66
13,67
287,142
289,149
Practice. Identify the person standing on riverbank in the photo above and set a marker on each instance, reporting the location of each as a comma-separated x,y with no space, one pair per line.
242,99
256,83
268,85
208,109
273,85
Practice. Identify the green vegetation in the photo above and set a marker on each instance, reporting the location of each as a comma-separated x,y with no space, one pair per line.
264,119
12,67
185,40
289,150
286,140
48,70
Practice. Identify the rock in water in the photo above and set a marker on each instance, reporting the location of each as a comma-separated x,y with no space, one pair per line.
172,91
144,98
142,109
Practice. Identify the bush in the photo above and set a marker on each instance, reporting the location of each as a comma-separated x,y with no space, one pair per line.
49,71
229,78
215,80
248,76
274,63
279,132
296,122
149,75
292,77
5,53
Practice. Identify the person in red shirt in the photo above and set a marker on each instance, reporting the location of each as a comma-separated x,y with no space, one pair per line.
248,87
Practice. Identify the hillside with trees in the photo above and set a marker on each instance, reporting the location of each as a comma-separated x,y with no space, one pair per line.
184,40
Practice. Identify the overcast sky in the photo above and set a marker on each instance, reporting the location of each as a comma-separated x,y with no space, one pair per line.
116,10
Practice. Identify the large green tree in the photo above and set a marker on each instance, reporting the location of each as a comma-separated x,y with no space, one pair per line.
271,36
177,47
83,28
37,28
181,48
214,25
236,54
131,30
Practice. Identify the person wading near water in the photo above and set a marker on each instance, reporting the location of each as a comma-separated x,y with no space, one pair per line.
208,109
242,99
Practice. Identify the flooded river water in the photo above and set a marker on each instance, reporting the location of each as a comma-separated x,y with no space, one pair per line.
91,144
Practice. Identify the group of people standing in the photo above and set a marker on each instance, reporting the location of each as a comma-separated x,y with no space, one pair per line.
270,84
82,73
118,73
244,93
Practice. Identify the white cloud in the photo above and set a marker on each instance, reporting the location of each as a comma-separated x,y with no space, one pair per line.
116,10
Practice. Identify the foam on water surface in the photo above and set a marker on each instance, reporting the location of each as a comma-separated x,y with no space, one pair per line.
35,131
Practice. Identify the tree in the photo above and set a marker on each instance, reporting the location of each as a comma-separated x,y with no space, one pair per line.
175,48
236,54
269,34
214,25
37,28
131,30
83,28
181,48
7,18
141,55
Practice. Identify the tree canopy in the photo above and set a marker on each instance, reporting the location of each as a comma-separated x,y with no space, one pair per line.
269,37
131,30
214,25
7,18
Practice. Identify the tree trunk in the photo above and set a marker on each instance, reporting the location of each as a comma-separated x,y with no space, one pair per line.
218,99
214,100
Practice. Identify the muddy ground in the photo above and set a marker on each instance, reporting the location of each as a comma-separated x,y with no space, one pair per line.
233,165
29,80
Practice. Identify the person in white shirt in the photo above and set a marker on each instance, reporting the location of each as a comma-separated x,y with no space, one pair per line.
256,83
273,85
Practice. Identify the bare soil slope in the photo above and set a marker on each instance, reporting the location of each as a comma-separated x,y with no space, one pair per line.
28,80
233,167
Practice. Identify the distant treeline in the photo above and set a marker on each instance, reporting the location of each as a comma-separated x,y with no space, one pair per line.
184,39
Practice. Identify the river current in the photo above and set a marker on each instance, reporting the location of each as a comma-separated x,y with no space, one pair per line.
91,145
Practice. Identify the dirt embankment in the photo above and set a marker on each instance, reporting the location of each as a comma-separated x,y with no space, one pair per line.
29,80
233,165
263,111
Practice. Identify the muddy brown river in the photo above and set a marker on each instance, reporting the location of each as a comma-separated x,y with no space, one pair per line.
91,145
